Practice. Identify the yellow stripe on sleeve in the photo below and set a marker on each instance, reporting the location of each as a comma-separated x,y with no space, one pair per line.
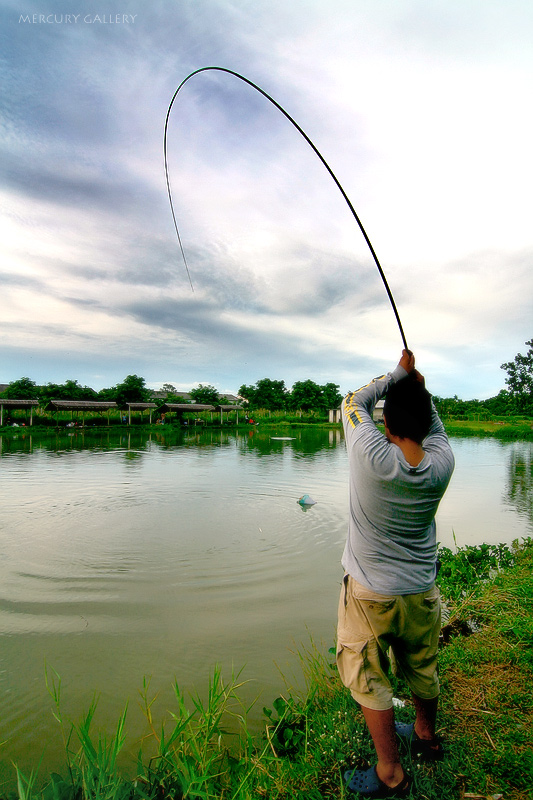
352,406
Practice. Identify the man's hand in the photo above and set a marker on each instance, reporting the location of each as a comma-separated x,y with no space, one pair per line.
415,375
407,361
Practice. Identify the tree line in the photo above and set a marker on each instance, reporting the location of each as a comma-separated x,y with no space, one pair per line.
304,395
132,389
267,394
273,395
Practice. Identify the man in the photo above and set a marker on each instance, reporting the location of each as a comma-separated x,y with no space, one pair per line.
389,605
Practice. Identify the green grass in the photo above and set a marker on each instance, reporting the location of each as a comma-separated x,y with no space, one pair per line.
205,751
510,429
506,428
487,684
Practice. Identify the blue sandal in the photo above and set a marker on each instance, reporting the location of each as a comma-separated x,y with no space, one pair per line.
369,784
427,750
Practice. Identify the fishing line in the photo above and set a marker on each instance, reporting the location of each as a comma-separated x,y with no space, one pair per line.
310,143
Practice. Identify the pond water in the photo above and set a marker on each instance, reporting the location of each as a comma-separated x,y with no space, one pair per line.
125,555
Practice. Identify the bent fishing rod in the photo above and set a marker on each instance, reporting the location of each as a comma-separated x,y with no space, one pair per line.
316,151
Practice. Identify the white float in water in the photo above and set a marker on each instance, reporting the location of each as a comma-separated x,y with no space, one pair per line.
306,500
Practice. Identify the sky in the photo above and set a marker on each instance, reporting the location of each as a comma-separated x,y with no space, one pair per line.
421,108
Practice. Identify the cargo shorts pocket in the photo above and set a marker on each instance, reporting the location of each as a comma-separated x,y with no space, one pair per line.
378,608
431,604
352,662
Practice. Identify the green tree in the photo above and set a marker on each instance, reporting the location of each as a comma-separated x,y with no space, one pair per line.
248,393
108,394
131,390
332,398
306,395
207,395
172,395
22,389
454,407
266,393
70,390
310,396
500,405
520,378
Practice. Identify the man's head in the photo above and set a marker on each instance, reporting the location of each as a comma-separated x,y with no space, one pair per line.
407,410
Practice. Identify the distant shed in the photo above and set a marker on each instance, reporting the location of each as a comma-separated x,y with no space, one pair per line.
335,414
16,405
377,414
227,408
82,407
184,408
142,407
166,407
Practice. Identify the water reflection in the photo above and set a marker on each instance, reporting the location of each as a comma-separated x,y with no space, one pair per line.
484,502
519,488
261,442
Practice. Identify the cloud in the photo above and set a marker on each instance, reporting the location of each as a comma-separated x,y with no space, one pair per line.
418,109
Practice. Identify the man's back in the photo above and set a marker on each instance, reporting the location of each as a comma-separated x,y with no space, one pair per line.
391,545
389,602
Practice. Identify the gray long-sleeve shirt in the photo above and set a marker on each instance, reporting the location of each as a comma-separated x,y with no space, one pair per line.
391,545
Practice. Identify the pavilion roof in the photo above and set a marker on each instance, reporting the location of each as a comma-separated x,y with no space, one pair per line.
185,407
7,402
80,405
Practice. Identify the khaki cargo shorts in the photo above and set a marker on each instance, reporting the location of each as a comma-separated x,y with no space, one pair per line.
376,631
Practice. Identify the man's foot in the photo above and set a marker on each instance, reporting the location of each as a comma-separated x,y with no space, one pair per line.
425,749
368,783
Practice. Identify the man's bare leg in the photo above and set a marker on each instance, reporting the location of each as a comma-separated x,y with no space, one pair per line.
381,727
426,717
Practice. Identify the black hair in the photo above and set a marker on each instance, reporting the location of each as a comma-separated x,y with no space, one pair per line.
407,410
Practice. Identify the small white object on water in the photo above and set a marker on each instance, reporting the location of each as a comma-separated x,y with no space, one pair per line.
306,500
283,438
397,703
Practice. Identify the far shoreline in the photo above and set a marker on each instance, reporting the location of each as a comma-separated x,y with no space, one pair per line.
508,430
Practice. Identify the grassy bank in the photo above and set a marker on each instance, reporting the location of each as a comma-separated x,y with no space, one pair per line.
311,738
511,429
